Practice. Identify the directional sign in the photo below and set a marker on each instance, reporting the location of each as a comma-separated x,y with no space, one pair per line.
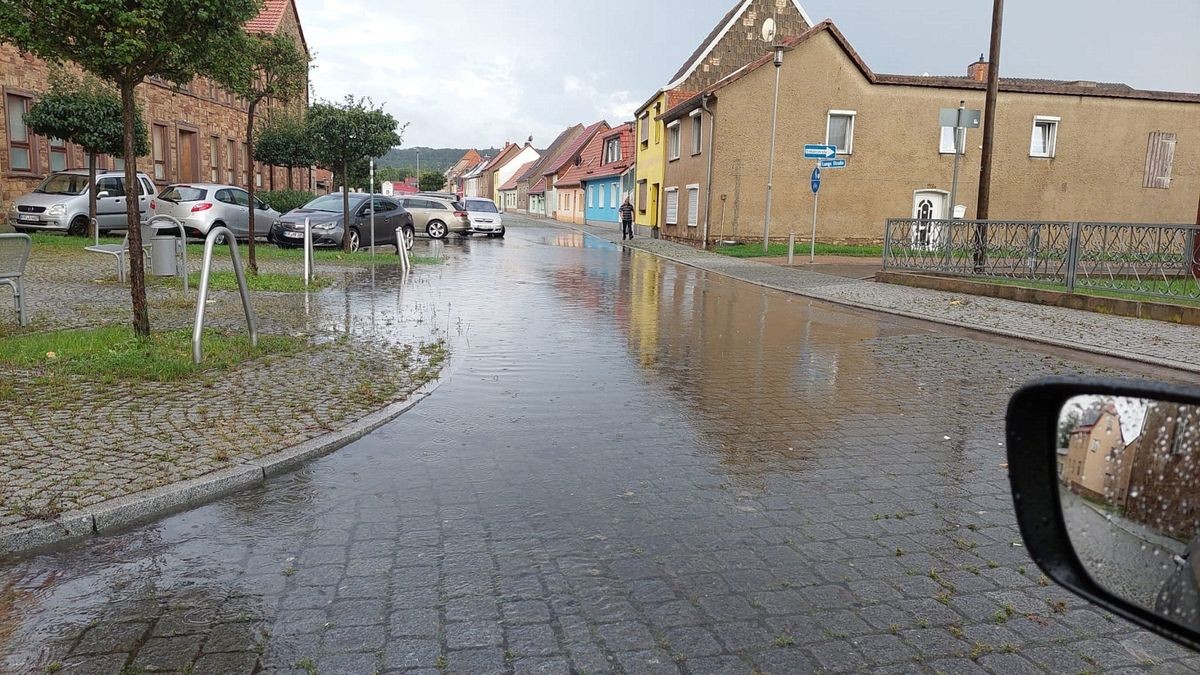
816,179
831,164
814,151
955,117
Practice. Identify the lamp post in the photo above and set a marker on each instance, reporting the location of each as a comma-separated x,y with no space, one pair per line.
771,159
418,168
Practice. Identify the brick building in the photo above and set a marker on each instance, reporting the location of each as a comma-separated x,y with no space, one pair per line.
197,132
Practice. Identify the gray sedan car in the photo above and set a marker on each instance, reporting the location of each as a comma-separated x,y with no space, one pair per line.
324,216
202,206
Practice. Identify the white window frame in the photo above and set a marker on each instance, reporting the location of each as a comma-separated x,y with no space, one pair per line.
668,218
853,115
674,141
591,192
946,141
644,128
612,196
697,132
612,150
693,214
1052,141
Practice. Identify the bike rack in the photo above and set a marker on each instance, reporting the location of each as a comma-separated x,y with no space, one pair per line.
308,253
182,241
402,251
205,268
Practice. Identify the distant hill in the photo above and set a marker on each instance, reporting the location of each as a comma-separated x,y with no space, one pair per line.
432,159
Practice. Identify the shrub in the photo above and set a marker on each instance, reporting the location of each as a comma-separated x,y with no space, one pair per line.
286,200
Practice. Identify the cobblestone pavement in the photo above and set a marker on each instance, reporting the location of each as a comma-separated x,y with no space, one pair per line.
633,466
1155,342
71,442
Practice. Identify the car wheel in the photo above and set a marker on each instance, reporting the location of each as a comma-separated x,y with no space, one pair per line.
500,234
408,235
220,239
436,229
355,240
78,227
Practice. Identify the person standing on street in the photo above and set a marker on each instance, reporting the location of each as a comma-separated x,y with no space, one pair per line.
626,211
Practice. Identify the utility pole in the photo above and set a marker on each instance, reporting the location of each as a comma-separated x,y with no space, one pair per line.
989,131
778,59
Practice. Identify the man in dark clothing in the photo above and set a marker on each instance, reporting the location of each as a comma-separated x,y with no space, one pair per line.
626,220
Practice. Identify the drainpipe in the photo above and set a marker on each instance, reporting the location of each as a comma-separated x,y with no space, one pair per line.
712,127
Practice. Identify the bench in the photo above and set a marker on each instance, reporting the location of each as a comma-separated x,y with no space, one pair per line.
14,253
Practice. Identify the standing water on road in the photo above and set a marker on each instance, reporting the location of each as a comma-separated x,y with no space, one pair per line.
630,466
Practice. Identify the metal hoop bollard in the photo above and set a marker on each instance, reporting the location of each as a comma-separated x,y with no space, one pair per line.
402,251
205,268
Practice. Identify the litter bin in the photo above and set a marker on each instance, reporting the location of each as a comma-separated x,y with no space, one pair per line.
162,254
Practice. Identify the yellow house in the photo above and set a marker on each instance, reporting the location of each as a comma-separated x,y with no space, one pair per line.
737,39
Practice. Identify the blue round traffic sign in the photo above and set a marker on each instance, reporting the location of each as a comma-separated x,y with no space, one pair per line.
816,179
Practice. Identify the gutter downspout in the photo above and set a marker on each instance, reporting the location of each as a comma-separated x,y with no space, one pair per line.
712,127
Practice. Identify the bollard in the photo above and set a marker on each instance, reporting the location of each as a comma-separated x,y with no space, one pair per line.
791,247
402,250
308,262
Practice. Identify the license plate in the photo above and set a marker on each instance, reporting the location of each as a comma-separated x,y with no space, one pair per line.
30,217
294,235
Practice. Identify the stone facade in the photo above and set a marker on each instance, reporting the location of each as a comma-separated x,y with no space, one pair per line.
199,125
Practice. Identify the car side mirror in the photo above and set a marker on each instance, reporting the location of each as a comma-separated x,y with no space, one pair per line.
1105,478
102,194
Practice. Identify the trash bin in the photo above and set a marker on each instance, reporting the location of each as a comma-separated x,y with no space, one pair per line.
162,254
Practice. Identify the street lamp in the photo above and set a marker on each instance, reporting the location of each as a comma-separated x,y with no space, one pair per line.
418,168
771,161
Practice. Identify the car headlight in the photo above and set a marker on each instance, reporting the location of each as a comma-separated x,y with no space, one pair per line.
56,210
324,226
13,209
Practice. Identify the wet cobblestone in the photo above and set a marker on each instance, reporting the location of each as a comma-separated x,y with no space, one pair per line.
635,467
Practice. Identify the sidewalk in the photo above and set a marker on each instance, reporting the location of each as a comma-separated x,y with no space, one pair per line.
1154,342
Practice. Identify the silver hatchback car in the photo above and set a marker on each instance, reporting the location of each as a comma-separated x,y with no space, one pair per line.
61,202
202,206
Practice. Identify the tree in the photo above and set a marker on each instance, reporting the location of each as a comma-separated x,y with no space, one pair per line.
1066,424
390,173
125,43
259,67
88,114
283,141
348,132
431,181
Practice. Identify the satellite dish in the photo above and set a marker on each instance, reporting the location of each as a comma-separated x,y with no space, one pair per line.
768,30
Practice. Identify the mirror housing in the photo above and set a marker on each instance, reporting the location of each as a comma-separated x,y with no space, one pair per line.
102,194
1032,426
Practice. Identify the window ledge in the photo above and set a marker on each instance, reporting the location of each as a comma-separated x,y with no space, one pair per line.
23,174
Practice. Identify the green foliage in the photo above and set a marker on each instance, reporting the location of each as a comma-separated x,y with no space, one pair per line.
431,181
350,131
259,66
283,141
286,200
86,113
434,159
391,173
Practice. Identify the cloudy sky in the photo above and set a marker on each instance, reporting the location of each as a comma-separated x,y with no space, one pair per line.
473,73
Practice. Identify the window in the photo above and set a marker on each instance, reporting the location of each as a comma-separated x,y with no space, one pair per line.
230,160
693,214
644,129
58,155
946,144
591,192
612,150
1045,136
657,125
839,130
697,132
1160,156
214,159
115,187
240,197
158,141
672,206
612,196
673,140
20,143
1095,444
243,162
258,174
642,192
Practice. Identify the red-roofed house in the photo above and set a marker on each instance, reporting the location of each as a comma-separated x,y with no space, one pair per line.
596,180
563,206
469,160
532,202
508,192
505,166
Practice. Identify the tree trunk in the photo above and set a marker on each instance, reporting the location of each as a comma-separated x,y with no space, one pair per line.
137,267
290,170
251,184
93,226
345,206
271,176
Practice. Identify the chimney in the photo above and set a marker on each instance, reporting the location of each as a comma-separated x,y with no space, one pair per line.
978,71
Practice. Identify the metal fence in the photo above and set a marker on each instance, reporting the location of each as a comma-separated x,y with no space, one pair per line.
1156,261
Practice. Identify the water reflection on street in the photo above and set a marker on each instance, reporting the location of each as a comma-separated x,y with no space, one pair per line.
630,464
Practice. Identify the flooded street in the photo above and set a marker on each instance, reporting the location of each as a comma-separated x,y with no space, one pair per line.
631,466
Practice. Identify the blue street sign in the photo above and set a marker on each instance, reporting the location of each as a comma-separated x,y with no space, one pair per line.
832,164
813,151
816,179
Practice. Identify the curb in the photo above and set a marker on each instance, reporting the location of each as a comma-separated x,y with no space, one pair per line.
1075,346
142,507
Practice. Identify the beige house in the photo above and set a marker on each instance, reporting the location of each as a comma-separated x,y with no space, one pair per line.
1064,150
1097,463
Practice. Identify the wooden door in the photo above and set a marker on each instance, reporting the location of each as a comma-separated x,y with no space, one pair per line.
189,157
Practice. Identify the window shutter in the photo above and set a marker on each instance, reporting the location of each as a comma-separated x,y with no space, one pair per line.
693,206
673,207
1160,159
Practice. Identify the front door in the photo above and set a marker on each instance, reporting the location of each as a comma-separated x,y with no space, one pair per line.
654,205
110,208
189,156
928,206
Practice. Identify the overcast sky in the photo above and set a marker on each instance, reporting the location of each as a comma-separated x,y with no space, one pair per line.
474,73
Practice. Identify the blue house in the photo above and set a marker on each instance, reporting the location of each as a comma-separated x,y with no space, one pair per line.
602,184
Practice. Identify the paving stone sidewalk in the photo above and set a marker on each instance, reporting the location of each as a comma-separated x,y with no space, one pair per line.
71,442
1154,342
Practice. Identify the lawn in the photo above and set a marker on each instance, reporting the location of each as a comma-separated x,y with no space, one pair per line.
1180,288
115,354
755,250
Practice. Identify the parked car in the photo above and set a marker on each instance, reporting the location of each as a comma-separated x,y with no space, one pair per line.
324,215
485,218
437,216
203,206
61,202
440,195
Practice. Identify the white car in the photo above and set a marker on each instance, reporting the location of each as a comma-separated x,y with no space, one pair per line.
484,216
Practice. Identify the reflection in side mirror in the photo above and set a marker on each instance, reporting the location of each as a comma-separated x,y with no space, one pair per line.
1130,489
